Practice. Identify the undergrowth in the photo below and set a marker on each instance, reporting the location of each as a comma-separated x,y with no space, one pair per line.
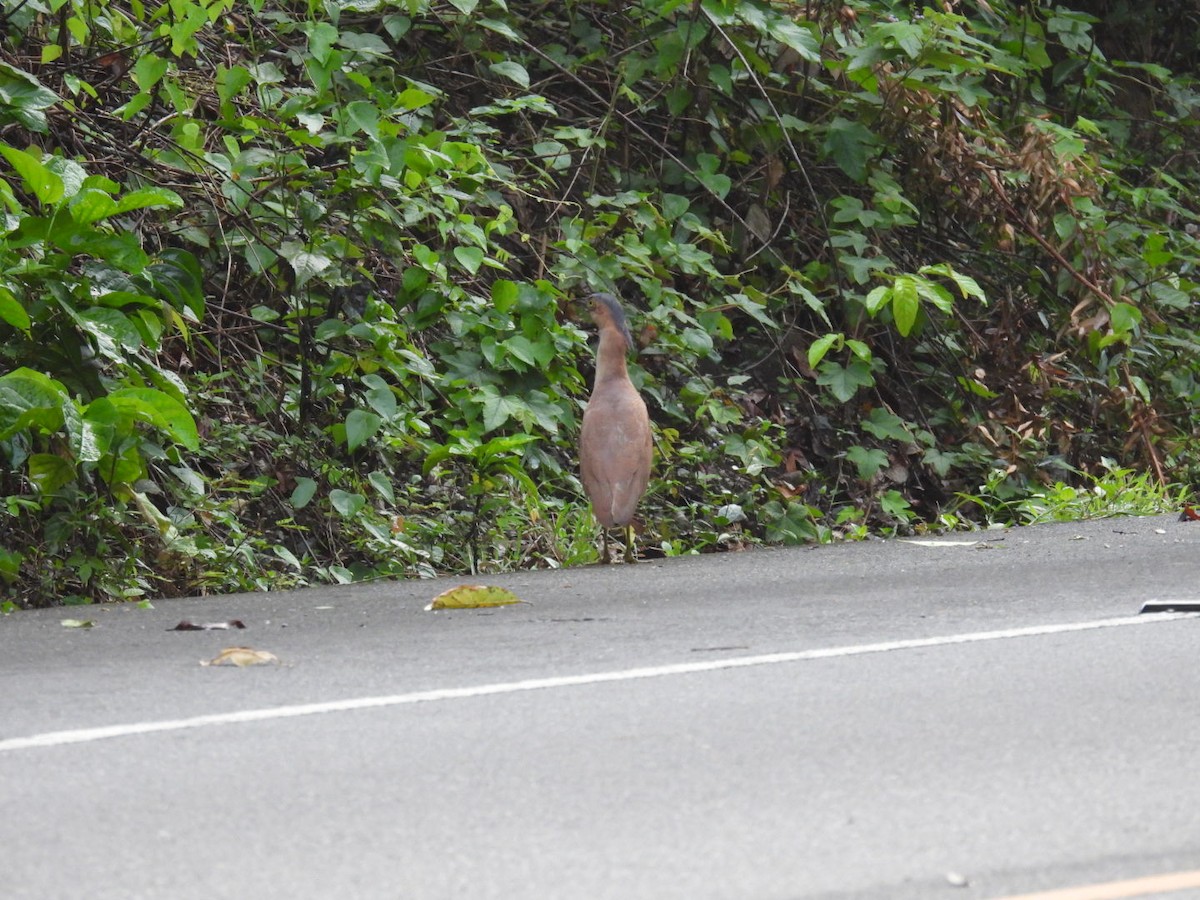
286,290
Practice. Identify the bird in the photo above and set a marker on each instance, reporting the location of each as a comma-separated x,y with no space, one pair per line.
616,446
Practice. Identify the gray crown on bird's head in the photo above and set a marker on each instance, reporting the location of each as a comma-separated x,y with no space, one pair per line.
618,315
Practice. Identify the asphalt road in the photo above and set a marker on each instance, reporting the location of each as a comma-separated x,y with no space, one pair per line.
880,720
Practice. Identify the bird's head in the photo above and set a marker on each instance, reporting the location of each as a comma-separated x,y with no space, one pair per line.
606,312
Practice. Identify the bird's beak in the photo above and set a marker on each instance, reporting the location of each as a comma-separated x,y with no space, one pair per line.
575,309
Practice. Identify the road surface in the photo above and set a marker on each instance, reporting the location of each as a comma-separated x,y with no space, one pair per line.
978,716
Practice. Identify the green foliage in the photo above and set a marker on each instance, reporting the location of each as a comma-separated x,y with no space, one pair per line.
87,311
285,290
1115,492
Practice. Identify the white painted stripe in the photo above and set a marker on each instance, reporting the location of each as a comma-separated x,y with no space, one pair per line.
85,735
1150,886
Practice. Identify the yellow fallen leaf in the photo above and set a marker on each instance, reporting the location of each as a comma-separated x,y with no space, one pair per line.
473,596
241,656
77,623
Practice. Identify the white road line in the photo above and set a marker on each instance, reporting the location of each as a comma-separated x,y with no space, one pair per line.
1152,885
86,735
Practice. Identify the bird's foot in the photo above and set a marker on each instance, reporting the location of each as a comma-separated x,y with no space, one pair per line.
630,552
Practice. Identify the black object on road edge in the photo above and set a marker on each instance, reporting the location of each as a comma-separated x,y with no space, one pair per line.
1157,606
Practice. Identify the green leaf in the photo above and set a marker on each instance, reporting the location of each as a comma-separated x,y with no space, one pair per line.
966,285
192,481
886,425
470,258
844,381
894,504
940,461
708,175
160,410
908,36
435,457
305,264
175,277
523,350
849,144
818,348
365,43
303,493
10,564
869,463
12,312
905,303
321,38
505,294
380,397
125,467
466,7
360,427
811,300
364,117
501,28
49,472
414,98
45,184
345,503
24,98
98,425
382,484
74,176
112,330
791,524
232,81
674,206
498,409
29,399
513,71
91,205
700,342
976,387
935,294
555,154
149,70
788,32
136,104
859,349
149,198
1124,318
288,557
754,308
1139,385
19,88
878,298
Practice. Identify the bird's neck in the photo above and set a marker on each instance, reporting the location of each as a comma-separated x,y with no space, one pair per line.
610,357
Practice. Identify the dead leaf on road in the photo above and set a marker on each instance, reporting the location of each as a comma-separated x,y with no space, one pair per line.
240,657
927,543
77,623
473,596
185,625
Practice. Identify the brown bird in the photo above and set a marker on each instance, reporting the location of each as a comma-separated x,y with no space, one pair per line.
615,444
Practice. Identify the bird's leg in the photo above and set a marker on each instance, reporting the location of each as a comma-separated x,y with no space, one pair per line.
630,556
605,559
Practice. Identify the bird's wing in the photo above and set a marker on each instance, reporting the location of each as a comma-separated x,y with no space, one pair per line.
616,451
